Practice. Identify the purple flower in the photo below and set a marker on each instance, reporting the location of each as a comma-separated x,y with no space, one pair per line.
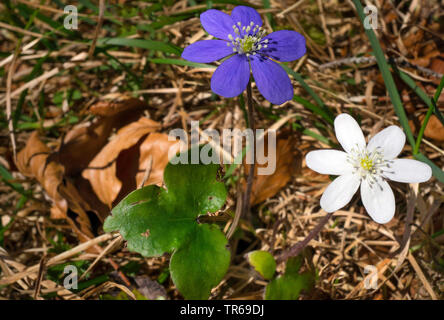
244,40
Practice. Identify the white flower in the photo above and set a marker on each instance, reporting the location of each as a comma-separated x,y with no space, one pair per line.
366,166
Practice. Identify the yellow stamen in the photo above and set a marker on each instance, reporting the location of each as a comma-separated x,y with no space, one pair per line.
367,163
248,45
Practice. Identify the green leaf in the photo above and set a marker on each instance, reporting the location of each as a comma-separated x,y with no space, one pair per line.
206,256
154,221
290,285
263,262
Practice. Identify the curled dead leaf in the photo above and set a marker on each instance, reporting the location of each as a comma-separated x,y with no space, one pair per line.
34,162
120,166
59,172
83,142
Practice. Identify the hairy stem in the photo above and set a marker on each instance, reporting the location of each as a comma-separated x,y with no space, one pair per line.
298,247
251,125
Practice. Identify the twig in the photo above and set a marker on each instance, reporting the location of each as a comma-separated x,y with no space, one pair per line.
147,171
31,84
236,216
57,259
290,8
39,279
20,30
408,226
102,254
98,27
421,276
298,247
399,60
8,100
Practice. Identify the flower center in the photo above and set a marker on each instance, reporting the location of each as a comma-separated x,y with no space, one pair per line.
369,165
247,39
248,45
366,163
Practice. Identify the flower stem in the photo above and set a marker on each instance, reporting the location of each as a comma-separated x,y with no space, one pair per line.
251,125
298,247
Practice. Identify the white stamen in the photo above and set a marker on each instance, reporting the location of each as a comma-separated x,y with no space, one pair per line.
249,41
369,165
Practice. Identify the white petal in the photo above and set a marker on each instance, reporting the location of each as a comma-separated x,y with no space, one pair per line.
391,140
408,171
348,132
328,162
378,200
340,192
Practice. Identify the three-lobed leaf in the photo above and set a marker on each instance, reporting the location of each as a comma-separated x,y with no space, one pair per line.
155,221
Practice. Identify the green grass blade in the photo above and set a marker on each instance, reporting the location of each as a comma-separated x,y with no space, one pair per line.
141,43
439,90
180,62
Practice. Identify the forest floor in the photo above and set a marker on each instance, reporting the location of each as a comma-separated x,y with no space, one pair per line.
66,93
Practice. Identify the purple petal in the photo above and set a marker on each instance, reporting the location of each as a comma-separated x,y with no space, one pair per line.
271,80
207,51
231,77
245,15
217,23
284,45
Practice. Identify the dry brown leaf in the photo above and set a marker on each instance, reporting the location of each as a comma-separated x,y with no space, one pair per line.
437,64
434,129
34,162
82,143
120,165
156,145
288,162
111,169
115,104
